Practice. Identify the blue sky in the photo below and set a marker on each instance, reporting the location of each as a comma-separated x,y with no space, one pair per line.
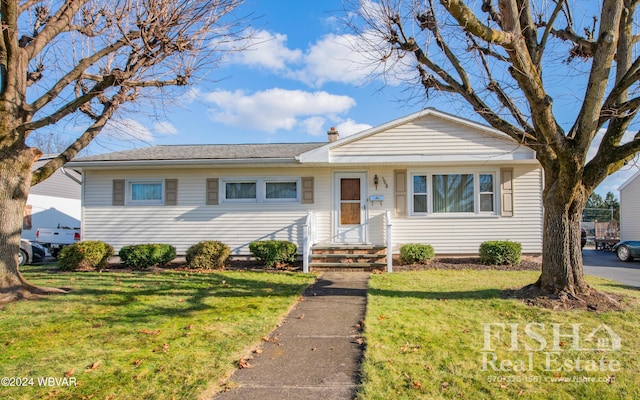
292,85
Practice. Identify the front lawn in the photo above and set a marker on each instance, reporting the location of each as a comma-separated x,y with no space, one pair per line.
137,335
449,335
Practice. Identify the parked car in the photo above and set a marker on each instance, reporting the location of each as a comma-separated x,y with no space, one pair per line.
30,252
627,250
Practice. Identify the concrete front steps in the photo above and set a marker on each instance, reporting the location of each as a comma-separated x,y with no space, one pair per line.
337,257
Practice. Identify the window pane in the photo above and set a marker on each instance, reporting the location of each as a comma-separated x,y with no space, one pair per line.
240,190
420,203
419,184
486,183
486,202
453,193
282,190
146,191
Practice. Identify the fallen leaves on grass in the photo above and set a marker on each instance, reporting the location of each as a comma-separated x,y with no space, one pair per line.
149,331
244,363
94,366
409,347
137,362
68,373
163,349
257,351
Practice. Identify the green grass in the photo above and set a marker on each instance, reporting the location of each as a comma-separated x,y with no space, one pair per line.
425,337
147,336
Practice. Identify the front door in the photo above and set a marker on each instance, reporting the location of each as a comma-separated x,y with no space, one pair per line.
351,207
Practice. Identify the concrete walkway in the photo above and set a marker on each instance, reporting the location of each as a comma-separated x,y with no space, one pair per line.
316,352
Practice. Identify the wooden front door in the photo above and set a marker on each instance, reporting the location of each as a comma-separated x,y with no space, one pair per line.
351,207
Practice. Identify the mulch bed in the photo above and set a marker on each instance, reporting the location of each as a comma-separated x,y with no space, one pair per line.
459,263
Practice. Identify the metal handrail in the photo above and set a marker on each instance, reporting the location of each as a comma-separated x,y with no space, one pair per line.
387,218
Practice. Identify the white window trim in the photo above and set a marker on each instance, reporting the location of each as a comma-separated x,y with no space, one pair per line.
453,171
261,189
223,189
129,192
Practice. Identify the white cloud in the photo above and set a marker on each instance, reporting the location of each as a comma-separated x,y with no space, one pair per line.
127,130
267,50
277,109
332,59
314,125
349,127
165,128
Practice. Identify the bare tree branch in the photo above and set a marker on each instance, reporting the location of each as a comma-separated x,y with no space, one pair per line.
468,19
80,143
545,36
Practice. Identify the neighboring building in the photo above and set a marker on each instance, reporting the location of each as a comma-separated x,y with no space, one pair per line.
445,181
52,203
630,208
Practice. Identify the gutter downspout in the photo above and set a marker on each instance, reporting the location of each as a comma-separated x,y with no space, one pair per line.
68,175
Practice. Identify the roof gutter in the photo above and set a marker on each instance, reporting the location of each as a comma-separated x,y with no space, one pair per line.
68,175
195,162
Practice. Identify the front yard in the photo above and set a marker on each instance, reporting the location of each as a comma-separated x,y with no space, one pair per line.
449,335
142,335
432,334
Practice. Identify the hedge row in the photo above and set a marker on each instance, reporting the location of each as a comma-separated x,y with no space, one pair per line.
497,252
203,255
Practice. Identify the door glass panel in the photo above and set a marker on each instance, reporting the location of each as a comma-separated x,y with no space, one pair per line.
350,189
349,201
350,213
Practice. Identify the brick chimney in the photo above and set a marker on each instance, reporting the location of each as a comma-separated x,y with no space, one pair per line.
332,134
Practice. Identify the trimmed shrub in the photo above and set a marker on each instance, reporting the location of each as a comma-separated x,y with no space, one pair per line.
413,253
87,254
209,254
147,255
274,252
500,252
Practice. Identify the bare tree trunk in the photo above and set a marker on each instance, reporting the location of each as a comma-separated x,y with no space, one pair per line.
15,178
562,270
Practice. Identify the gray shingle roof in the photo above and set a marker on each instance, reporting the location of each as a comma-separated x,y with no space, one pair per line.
207,152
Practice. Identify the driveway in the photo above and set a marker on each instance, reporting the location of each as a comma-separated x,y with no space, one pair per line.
605,264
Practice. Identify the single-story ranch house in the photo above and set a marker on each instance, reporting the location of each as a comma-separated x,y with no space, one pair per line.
429,177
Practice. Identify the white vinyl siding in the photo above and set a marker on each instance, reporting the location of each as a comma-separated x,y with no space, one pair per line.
630,210
462,234
191,220
433,137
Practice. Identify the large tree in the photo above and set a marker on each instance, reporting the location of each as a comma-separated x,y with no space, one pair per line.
82,62
509,60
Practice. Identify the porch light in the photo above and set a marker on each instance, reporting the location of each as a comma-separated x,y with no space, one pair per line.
375,181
